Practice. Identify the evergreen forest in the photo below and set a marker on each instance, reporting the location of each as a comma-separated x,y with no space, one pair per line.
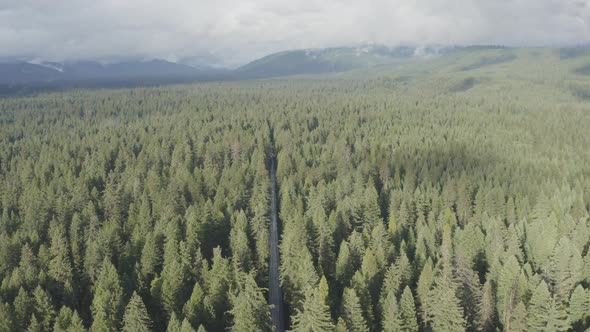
446,194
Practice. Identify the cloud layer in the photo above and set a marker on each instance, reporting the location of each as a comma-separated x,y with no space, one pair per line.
240,30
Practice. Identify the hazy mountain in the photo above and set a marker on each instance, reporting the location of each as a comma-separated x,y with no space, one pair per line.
313,61
44,72
209,67
24,72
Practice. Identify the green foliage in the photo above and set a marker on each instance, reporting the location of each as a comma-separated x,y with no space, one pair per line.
579,305
407,312
68,321
352,312
34,325
412,195
107,303
314,315
390,319
194,309
545,314
443,307
6,318
43,309
509,289
518,320
250,311
136,317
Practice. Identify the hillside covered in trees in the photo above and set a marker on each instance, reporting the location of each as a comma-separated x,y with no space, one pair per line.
444,194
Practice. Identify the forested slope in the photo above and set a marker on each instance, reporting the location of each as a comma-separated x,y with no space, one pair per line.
407,201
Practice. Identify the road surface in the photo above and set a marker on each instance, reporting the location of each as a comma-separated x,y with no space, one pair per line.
275,296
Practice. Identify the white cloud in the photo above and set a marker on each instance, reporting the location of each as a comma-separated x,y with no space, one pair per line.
239,30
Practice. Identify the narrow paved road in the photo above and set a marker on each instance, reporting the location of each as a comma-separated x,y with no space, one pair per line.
275,296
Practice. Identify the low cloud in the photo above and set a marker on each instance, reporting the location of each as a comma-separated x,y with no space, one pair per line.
240,30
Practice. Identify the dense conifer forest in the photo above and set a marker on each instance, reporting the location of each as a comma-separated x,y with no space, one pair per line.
432,202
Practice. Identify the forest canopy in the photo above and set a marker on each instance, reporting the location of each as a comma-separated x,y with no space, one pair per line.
407,202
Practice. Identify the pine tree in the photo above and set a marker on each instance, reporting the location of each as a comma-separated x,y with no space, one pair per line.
315,315
6,318
259,206
352,312
250,311
407,312
44,311
469,243
390,318
35,325
443,306
173,324
397,276
60,266
297,270
28,267
371,209
360,287
151,256
325,248
392,224
579,309
557,319
107,303
68,321
194,309
136,317
541,237
538,307
341,326
239,243
186,326
173,276
545,314
23,307
344,264
423,289
565,269
76,233
217,281
370,271
381,245
508,291
486,308
470,291
518,321
324,290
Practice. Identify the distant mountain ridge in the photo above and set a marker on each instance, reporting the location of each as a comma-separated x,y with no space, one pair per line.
295,62
34,74
25,72
336,59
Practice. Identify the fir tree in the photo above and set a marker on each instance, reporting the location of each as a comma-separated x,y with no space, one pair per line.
136,317
579,305
44,311
107,302
314,315
249,312
352,312
545,314
443,306
407,312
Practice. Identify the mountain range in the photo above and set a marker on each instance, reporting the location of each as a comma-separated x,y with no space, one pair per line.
15,75
310,61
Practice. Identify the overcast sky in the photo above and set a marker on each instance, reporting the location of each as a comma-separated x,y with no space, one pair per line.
240,30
